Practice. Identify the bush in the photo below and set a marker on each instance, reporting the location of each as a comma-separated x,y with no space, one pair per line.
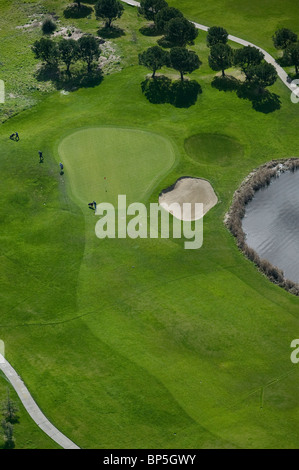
48,26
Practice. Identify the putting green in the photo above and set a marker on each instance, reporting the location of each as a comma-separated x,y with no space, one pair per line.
103,162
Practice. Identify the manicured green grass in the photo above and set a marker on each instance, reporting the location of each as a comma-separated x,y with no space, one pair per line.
26,434
140,343
253,20
214,149
104,162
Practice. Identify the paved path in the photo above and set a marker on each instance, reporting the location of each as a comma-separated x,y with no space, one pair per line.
268,58
32,407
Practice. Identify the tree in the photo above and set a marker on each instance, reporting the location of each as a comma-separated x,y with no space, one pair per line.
154,58
283,38
180,32
165,15
89,50
183,60
150,8
46,50
216,35
69,52
108,10
9,409
221,57
291,54
48,26
262,75
247,56
78,4
8,433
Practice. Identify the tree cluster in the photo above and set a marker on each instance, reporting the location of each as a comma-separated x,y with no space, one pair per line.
249,59
179,58
177,30
178,33
287,41
67,51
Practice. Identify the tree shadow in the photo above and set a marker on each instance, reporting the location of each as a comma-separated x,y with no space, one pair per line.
72,11
227,83
70,81
149,30
111,33
267,103
157,90
262,100
185,93
161,90
248,91
164,42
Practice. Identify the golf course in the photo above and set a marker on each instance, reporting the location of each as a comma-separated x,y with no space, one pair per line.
139,343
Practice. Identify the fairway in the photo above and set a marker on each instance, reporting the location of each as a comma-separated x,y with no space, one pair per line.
103,162
139,343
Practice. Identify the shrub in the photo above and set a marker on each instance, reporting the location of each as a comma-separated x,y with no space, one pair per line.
48,26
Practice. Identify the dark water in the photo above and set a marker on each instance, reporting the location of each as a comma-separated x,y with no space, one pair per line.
271,224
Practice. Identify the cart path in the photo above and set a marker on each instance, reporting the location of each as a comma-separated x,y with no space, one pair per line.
268,58
32,408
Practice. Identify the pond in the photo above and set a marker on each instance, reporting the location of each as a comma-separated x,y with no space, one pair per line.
271,223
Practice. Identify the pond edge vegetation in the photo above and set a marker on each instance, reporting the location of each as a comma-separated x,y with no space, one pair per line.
259,178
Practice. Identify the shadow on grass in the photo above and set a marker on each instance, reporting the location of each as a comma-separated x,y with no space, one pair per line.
70,81
111,33
226,83
149,30
72,11
157,90
267,103
262,100
164,42
161,90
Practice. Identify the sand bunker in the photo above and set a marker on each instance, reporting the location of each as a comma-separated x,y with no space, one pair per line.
192,190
